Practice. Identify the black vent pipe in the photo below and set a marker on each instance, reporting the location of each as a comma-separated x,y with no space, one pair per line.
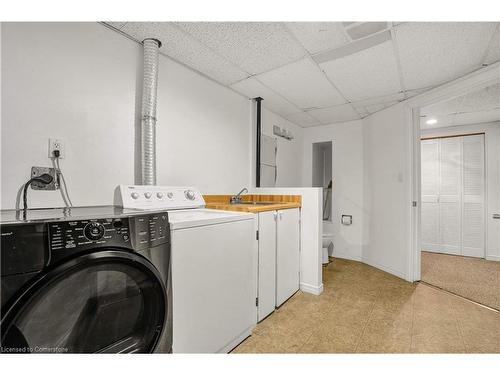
257,143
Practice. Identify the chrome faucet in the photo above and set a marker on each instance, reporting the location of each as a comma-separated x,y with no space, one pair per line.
235,199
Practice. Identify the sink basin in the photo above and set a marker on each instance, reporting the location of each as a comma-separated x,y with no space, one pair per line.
256,203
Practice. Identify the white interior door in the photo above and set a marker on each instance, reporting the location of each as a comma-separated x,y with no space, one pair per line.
473,196
453,211
450,178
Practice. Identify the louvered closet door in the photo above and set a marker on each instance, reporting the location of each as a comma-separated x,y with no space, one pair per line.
430,194
473,196
450,207
453,196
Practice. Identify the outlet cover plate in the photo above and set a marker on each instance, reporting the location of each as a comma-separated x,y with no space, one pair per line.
56,144
38,171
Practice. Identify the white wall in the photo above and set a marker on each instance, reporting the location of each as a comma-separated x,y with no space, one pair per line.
387,172
289,156
348,199
492,166
81,82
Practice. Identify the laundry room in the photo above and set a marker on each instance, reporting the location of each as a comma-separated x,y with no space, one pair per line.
248,184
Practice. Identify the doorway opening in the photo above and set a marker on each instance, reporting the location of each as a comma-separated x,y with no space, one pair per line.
322,175
459,187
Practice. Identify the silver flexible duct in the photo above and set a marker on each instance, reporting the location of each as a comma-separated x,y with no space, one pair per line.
148,122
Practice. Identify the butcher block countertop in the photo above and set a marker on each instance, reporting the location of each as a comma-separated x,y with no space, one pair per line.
276,202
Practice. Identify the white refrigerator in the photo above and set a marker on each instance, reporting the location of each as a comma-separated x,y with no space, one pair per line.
268,169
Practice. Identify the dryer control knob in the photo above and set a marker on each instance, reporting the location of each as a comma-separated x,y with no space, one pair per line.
170,195
93,231
134,195
190,195
147,195
159,195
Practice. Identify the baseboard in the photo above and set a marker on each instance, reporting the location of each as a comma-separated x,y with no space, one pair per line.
312,289
346,256
495,258
384,268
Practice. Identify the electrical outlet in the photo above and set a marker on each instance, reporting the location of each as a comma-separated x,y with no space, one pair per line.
56,144
38,171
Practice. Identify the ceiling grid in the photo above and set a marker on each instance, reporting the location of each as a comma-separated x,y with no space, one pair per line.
316,73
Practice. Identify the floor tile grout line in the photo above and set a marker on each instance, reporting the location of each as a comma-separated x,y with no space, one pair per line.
458,296
367,321
459,330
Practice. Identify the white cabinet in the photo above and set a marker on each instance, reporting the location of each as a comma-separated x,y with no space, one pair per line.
287,254
279,258
267,264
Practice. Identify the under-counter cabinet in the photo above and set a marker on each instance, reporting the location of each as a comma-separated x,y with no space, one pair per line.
279,258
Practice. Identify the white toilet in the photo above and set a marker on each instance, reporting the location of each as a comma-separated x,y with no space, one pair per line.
327,244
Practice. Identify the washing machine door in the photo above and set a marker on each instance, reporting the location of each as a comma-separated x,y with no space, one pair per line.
109,301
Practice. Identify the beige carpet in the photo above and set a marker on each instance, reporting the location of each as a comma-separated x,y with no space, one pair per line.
473,278
366,310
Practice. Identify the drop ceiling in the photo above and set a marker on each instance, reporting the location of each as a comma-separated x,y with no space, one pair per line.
472,108
318,73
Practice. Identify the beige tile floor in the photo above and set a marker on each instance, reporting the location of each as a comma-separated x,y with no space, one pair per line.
363,309
474,278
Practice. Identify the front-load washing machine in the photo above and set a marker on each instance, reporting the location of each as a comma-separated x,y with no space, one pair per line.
214,267
85,280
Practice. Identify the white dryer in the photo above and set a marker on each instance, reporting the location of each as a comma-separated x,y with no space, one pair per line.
214,267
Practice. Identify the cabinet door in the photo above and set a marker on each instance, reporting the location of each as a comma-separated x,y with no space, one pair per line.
287,254
267,264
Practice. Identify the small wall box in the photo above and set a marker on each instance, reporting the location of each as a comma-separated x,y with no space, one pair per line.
346,219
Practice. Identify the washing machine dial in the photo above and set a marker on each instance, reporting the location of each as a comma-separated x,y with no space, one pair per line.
147,194
159,195
190,195
134,195
170,195
93,231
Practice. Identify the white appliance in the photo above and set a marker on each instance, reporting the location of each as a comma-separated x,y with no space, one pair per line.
268,168
214,267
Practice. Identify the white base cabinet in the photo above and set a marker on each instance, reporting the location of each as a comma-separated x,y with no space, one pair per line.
287,254
279,258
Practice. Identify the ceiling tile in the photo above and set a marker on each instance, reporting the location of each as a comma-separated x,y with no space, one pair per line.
340,113
368,73
443,108
303,119
185,49
303,84
380,100
254,46
436,52
476,117
442,121
379,106
116,25
493,54
319,36
252,88
485,99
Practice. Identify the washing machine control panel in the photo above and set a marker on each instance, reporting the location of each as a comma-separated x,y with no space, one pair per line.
158,197
135,233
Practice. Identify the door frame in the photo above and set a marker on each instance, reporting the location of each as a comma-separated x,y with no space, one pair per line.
477,80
